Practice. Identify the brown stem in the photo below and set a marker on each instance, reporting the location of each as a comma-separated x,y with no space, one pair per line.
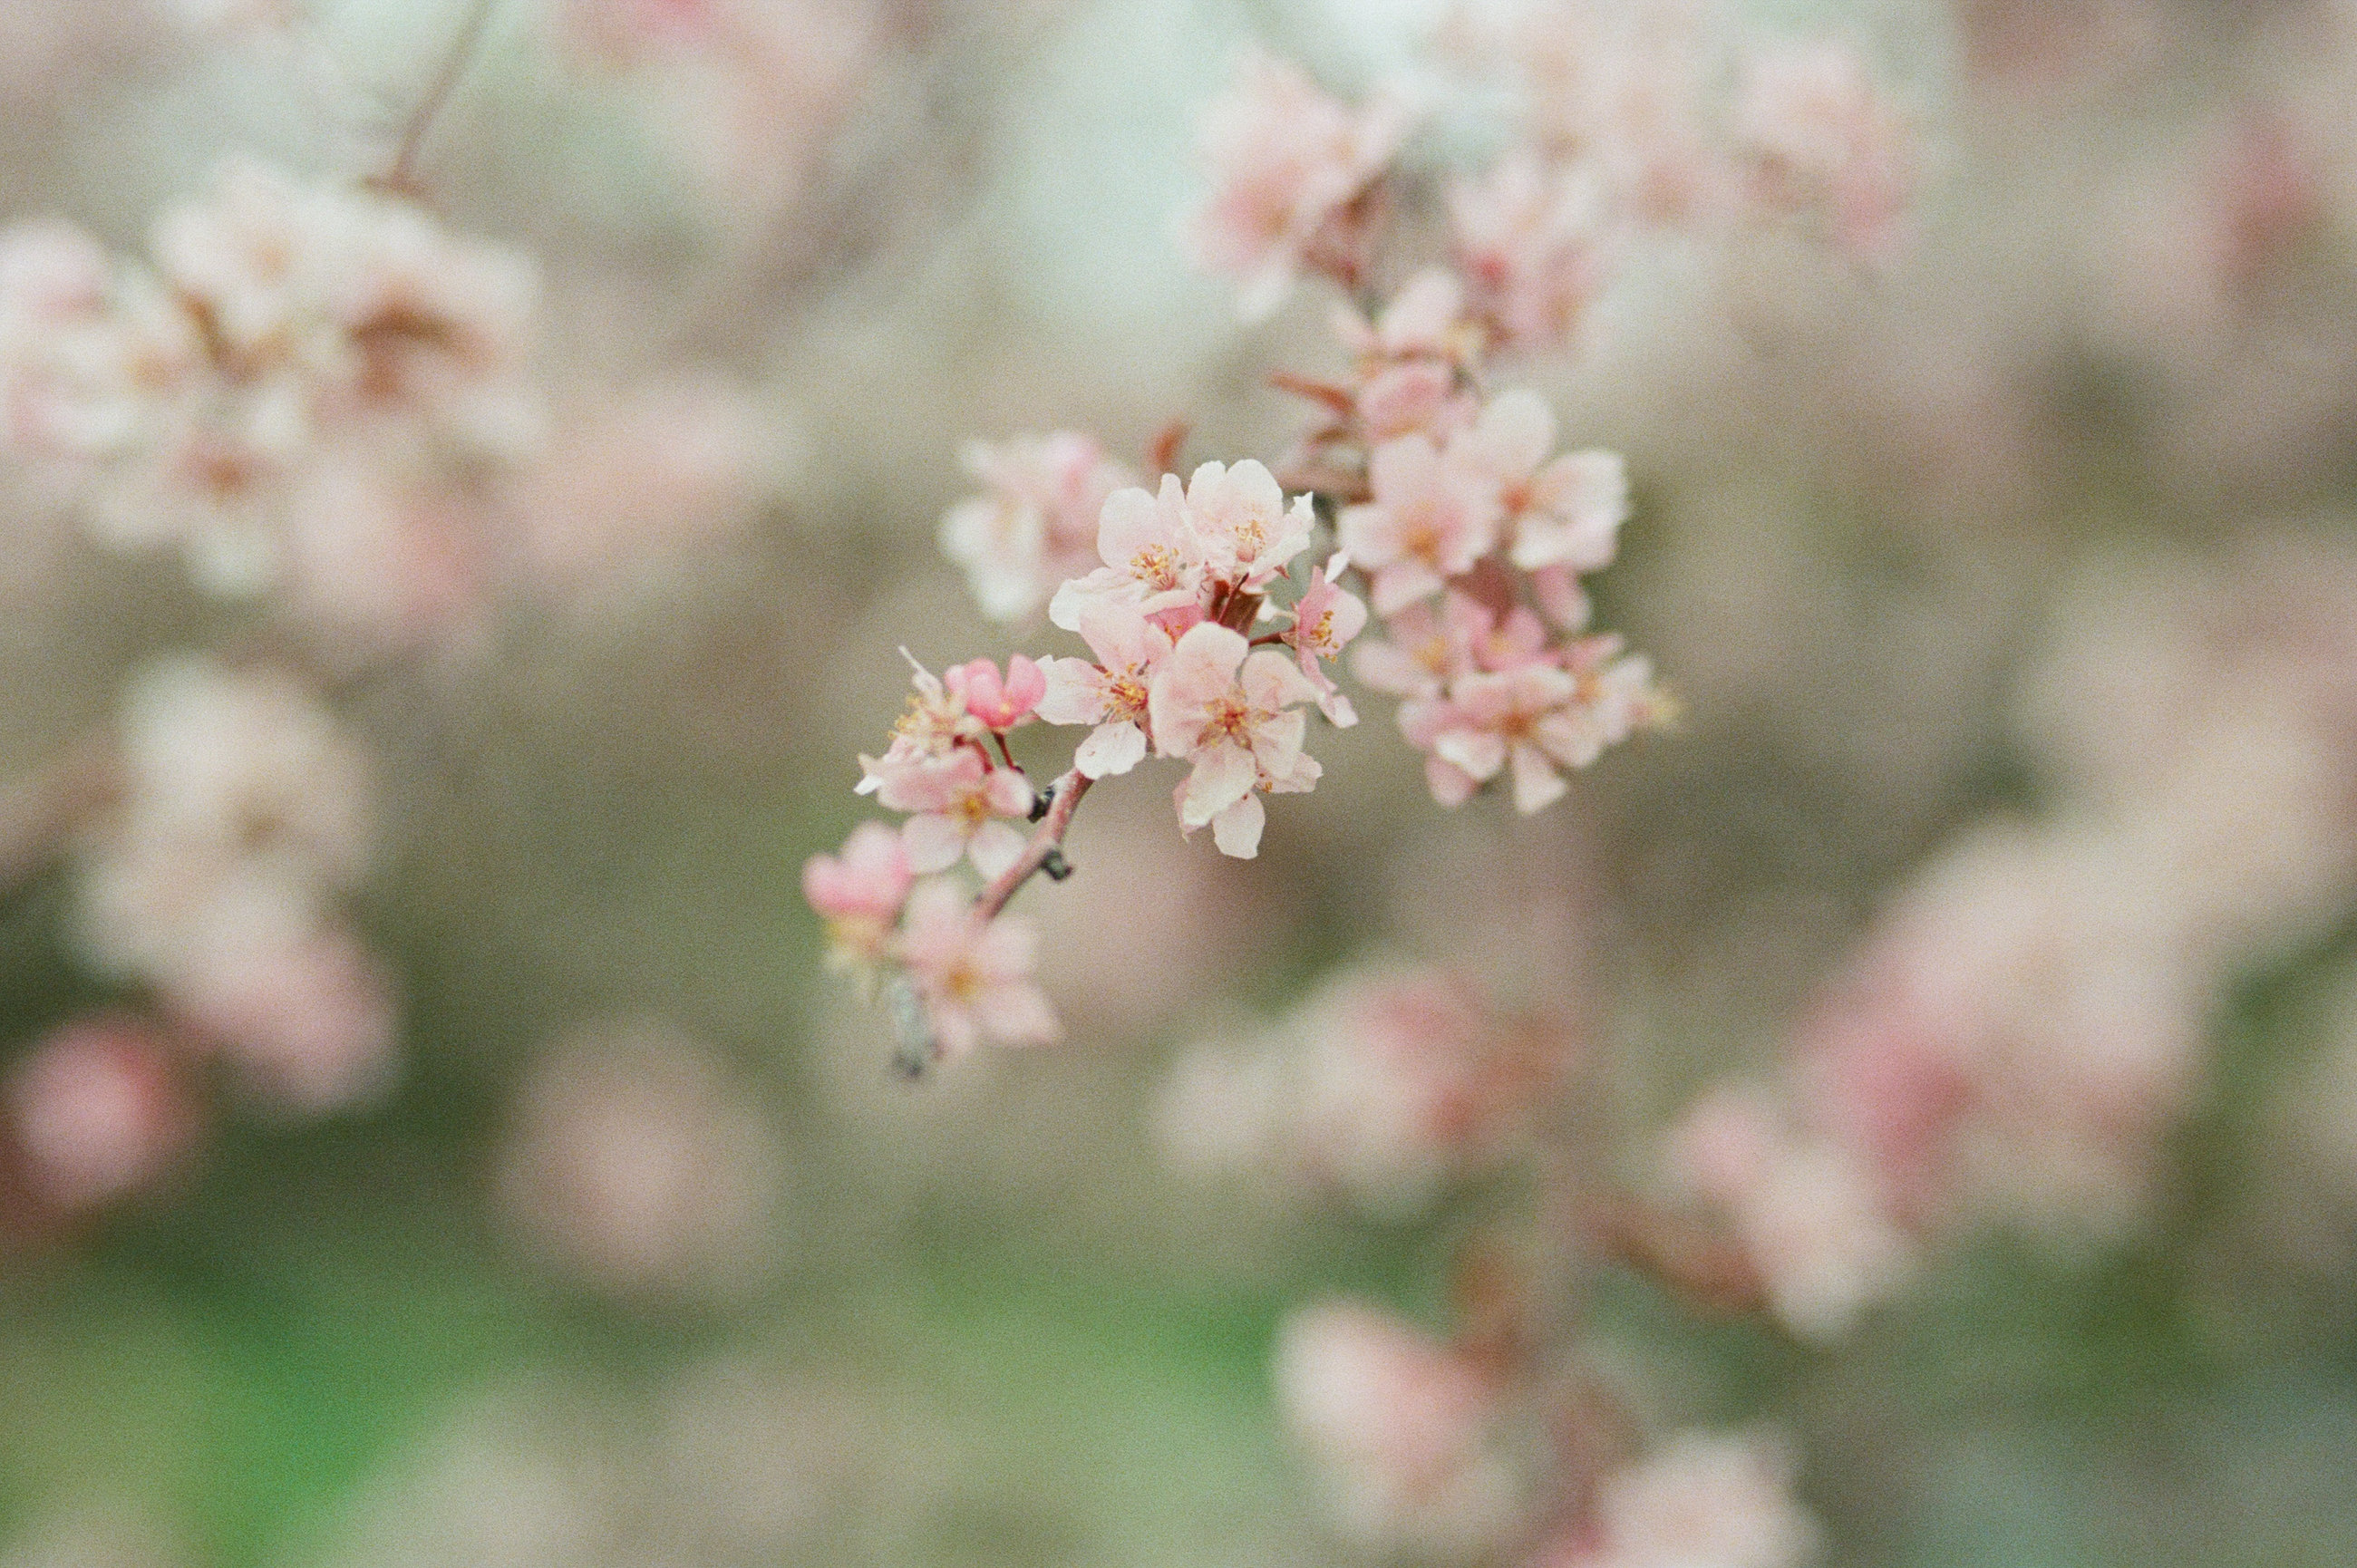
1687,1257
1046,846
403,176
40,812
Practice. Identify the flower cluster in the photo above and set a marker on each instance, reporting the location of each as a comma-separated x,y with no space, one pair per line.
288,342
244,817
1620,131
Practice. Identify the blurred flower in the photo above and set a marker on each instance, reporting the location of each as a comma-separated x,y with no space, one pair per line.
1698,1501
971,976
99,1110
636,1161
1036,527
1288,163
1403,1430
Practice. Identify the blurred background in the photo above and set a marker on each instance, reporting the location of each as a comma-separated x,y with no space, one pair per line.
562,1210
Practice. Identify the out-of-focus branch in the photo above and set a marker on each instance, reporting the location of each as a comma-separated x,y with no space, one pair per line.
1687,1257
1046,850
40,812
403,176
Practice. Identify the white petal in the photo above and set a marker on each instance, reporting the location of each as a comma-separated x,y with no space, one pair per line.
995,848
1111,750
932,844
1237,829
1537,785
1223,776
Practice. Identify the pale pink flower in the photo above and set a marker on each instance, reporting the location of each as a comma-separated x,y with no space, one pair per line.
1699,1500
1405,1081
1812,1215
995,704
1229,710
962,802
860,892
1825,136
1036,527
1622,88
1325,619
1153,557
1110,694
1534,241
1566,512
637,1160
1425,320
1288,162
306,1019
97,1111
1433,515
1421,649
1405,1431
934,725
1528,718
972,977
1245,534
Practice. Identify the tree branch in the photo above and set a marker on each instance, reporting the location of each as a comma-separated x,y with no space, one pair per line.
403,176
1045,852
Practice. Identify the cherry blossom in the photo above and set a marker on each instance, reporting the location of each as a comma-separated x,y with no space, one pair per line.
99,1110
1700,1500
860,892
1566,512
1110,694
1405,1429
1288,161
1536,248
973,976
1036,527
1325,620
959,801
1433,515
1824,136
1230,711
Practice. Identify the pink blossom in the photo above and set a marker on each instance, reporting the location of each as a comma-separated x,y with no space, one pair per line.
306,1019
1698,1501
1527,717
1421,650
1325,619
1288,162
1534,241
1432,516
1566,512
99,1110
636,1160
999,704
1037,527
934,725
960,802
1229,711
973,977
1245,534
1153,557
1405,1431
1425,320
1826,136
1810,1216
1112,695
860,892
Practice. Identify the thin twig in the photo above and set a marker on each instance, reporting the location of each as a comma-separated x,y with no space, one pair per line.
403,176
40,812
1046,848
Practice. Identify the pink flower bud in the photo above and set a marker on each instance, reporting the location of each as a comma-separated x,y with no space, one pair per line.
1001,704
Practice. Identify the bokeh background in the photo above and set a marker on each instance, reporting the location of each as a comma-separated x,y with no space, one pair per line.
641,1255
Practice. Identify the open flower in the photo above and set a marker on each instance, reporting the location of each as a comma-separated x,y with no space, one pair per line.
973,977
1432,517
1244,533
1566,512
1110,694
1036,527
1153,561
860,892
1229,711
960,800
1325,619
